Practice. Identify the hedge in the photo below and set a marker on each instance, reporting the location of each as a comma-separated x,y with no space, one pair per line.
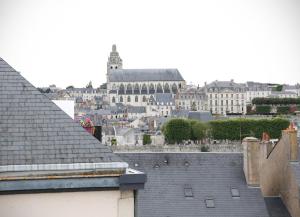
283,109
236,129
263,109
177,130
275,101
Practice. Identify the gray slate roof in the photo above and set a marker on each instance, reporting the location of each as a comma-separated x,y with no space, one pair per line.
133,75
33,130
200,115
210,175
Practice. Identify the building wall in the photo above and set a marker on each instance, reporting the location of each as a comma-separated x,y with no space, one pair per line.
112,203
231,102
277,177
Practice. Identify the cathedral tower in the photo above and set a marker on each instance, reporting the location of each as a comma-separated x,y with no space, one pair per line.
114,60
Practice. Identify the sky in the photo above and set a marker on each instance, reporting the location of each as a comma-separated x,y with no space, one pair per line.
67,42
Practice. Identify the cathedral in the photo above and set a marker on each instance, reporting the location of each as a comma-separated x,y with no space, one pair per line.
136,86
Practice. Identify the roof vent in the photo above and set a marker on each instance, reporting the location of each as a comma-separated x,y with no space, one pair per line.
166,160
156,166
186,163
210,203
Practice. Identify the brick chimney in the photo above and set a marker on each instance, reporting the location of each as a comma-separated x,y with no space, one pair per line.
251,147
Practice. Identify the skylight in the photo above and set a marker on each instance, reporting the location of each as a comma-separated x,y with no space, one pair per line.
235,193
188,192
210,203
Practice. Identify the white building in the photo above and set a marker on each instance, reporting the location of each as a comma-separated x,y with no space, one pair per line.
225,97
255,90
191,98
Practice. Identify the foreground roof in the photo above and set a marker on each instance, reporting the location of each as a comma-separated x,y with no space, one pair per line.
178,184
135,75
33,130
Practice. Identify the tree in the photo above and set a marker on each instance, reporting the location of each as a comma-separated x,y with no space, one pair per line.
198,131
177,130
70,87
146,139
89,85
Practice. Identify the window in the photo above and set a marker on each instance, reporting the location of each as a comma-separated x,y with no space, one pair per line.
121,99
188,192
128,99
235,193
144,98
113,99
136,99
210,203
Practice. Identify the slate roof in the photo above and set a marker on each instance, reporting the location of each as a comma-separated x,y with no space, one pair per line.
210,175
33,130
135,75
165,98
200,115
225,84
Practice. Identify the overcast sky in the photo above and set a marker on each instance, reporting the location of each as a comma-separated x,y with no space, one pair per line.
67,42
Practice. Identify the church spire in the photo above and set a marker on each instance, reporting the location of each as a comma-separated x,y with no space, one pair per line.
114,60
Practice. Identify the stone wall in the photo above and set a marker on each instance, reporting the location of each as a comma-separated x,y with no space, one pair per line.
231,147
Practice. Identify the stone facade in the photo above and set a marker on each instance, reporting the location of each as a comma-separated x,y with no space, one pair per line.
136,86
191,99
226,97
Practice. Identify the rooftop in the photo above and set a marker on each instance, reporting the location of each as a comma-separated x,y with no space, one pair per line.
33,130
195,184
135,75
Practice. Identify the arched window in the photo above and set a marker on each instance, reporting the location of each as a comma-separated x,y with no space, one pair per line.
144,99
136,99
121,89
136,89
128,99
174,88
167,88
113,99
151,89
129,89
121,98
144,89
159,89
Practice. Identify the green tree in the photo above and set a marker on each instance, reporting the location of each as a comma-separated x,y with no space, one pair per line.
198,130
89,85
177,130
146,139
70,87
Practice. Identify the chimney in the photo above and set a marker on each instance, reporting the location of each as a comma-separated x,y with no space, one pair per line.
291,134
251,147
265,146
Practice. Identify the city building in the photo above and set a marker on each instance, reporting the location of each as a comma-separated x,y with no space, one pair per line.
192,99
226,97
256,89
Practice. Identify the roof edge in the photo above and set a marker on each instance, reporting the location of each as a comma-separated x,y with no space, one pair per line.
63,167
